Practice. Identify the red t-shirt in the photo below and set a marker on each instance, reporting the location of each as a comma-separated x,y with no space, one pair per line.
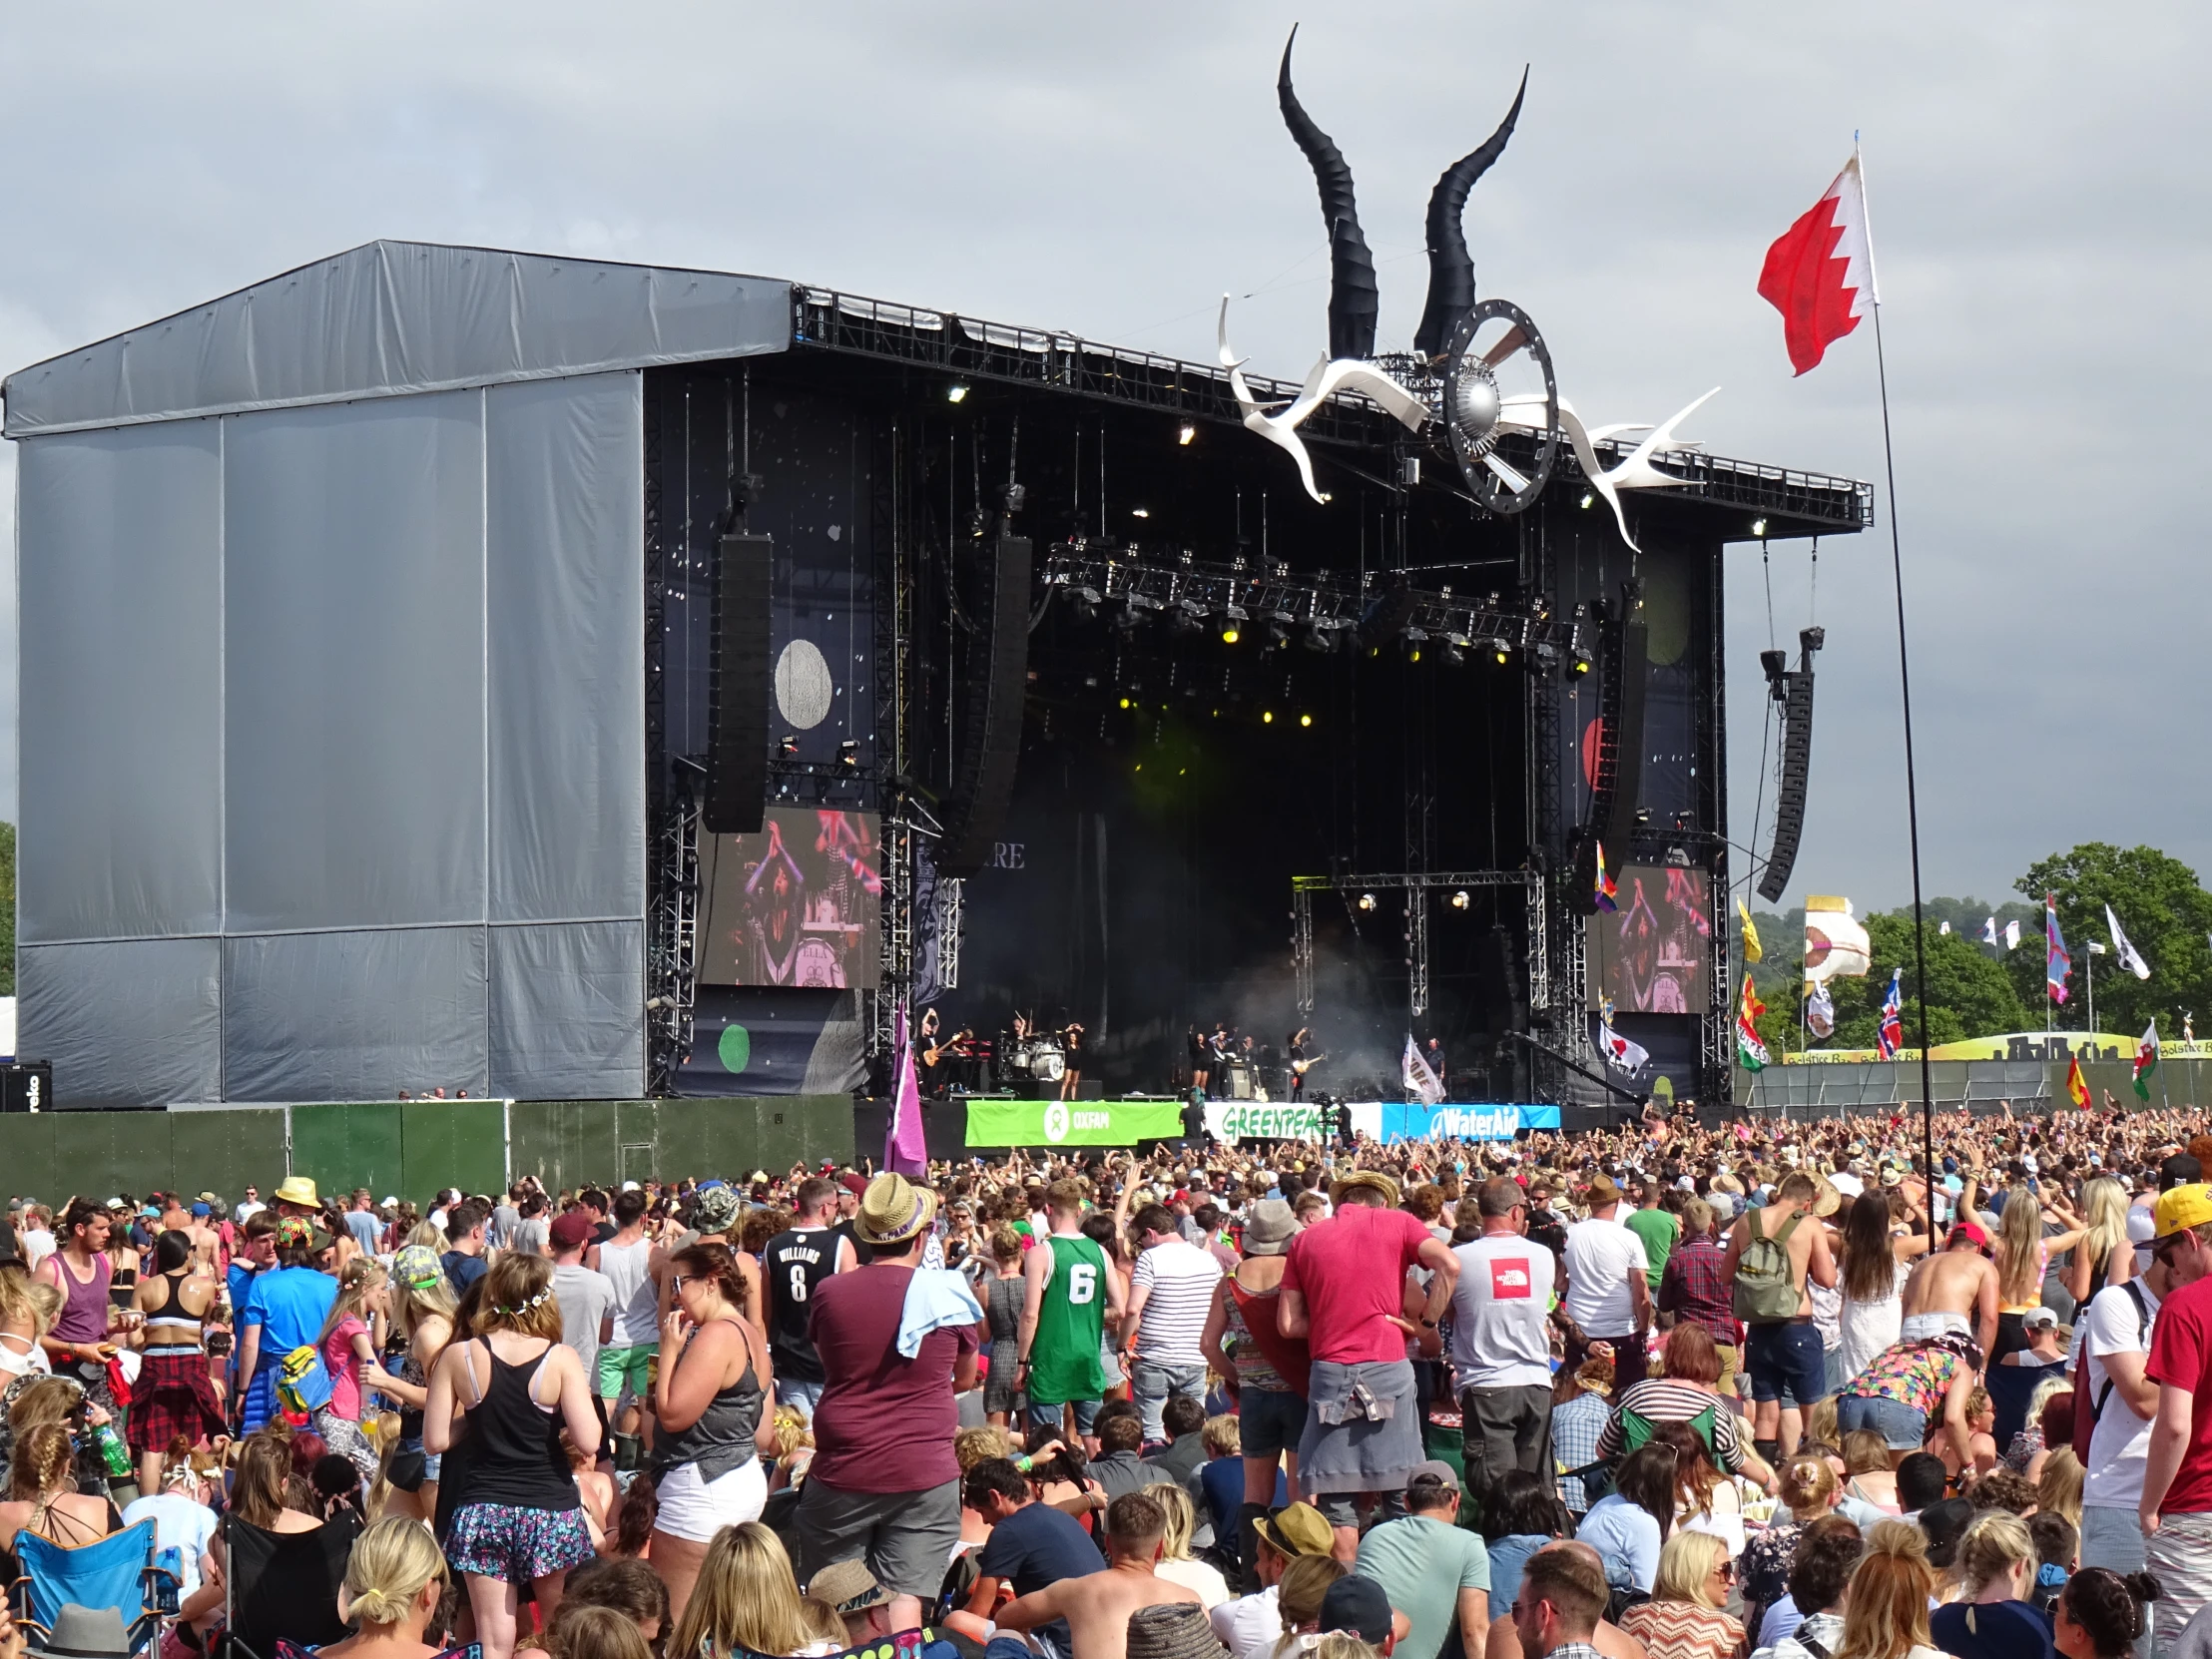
1351,1269
885,1423
2181,1355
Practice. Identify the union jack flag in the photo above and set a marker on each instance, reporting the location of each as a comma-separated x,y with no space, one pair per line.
1892,1034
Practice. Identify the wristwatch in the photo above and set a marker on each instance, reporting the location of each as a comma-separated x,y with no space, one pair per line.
1429,1325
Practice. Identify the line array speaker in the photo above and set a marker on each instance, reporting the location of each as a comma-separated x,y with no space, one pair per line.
1797,767
1628,737
738,686
987,743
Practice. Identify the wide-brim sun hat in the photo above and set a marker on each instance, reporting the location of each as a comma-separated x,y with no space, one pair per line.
893,1210
298,1189
1270,1228
1372,1177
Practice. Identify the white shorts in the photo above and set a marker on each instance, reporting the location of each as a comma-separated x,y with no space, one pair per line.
697,1510
1923,1328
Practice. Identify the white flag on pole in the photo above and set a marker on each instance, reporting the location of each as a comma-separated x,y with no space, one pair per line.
1420,1083
1942,928
2011,936
2131,958
1990,932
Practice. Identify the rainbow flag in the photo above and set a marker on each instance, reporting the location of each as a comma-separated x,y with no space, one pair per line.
1604,891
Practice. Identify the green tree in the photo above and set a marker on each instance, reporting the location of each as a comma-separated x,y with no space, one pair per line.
2167,913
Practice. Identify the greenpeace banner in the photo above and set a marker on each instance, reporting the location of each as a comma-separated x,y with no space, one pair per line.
1411,1121
1072,1122
1241,1120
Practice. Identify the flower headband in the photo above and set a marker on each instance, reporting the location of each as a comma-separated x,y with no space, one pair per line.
537,1300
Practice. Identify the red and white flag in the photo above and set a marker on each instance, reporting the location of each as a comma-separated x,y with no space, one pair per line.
1820,273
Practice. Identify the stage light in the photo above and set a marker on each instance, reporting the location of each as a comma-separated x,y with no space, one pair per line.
1588,500
1140,513
1085,601
1501,651
955,392
1456,648
1278,628
1185,434
1266,717
1229,636
1581,660
1230,619
1410,641
1183,616
849,753
1544,659
1759,528
1366,902
1319,637
1125,703
1305,720
1460,899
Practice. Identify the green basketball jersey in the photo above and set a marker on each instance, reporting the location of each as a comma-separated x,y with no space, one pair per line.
1063,1357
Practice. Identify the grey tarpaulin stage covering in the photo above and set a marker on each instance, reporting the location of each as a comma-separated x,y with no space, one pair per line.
332,680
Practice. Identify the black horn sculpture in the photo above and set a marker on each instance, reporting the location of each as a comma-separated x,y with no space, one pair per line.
1354,301
1450,269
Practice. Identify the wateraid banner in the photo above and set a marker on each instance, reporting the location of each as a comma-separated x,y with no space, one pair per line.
1072,1122
1411,1121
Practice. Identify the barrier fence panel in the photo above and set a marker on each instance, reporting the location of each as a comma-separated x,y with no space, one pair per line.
453,1143
219,1151
344,1147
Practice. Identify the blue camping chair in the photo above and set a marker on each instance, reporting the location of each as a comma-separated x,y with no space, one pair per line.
126,1571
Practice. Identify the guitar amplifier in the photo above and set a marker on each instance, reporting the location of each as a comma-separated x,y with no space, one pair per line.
27,1086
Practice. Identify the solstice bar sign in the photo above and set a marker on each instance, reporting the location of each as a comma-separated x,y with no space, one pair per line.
1072,1122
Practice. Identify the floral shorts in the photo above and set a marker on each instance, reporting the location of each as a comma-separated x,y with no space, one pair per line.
516,1546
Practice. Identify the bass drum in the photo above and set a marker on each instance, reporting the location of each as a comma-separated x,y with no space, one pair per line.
1048,1062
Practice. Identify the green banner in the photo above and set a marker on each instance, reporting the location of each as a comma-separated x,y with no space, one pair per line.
1072,1122
1259,1121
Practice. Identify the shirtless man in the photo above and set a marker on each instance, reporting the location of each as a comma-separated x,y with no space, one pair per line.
1954,1291
1097,1605
1787,1351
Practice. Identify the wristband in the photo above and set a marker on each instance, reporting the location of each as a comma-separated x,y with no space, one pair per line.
1024,1462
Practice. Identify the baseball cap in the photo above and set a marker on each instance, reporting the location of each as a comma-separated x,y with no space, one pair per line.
1972,1232
2039,1319
202,1210
1359,1605
2183,1207
570,1229
2180,1170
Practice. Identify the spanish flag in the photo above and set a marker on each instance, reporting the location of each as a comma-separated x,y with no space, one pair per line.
2077,1089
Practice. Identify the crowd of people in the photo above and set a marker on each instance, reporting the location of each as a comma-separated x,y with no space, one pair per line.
1684,1392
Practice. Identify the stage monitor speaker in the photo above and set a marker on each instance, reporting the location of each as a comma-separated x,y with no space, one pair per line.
27,1086
739,687
1090,1090
1619,826
988,697
1797,767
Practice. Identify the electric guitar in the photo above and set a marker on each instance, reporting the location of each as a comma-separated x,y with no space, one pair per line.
1301,1067
932,1054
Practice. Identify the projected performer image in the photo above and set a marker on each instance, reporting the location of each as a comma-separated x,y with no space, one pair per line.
795,905
1650,956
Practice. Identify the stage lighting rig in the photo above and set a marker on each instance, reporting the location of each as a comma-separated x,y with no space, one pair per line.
1183,616
1230,619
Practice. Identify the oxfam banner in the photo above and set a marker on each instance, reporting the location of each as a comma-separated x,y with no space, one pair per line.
1072,1122
1411,1121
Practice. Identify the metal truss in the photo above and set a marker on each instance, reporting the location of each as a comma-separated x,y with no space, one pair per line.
949,919
1418,885
969,348
1255,595
894,613
672,815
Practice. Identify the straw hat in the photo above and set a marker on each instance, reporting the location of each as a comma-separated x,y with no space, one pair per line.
1296,1529
298,1189
848,1587
1373,1178
1173,1630
893,1210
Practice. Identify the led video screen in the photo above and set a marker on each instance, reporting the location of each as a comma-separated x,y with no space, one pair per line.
798,903
1654,954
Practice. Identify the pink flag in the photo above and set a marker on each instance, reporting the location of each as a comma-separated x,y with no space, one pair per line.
906,1152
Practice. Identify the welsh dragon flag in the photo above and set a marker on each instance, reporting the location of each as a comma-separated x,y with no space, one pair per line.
1751,1054
2146,1060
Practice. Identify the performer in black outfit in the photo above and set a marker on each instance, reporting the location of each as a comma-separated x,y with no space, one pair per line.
1195,1133
1200,1054
1345,1137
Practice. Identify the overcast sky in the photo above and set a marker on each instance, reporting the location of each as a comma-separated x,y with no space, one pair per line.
2037,175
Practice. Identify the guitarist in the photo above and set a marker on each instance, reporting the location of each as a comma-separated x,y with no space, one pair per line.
1294,1049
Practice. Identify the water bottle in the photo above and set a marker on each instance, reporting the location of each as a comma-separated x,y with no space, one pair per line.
113,1451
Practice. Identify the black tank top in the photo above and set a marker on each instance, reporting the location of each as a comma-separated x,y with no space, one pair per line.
795,1263
515,1448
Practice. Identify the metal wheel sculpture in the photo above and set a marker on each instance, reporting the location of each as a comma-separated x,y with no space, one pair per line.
1476,409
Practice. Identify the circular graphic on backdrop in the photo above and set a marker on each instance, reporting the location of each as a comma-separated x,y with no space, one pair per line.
735,1048
1056,1121
802,686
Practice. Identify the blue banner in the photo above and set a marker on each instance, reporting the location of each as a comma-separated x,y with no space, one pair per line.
1411,1121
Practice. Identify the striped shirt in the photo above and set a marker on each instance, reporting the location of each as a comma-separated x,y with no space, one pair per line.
1657,1400
1178,1279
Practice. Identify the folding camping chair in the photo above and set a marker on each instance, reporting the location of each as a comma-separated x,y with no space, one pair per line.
126,1571
285,1585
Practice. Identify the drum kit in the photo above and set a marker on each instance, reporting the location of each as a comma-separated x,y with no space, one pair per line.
1041,1060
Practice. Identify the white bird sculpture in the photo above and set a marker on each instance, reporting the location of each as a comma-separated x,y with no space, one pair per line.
1324,381
1635,472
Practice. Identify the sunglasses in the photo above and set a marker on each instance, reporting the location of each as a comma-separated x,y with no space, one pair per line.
676,1281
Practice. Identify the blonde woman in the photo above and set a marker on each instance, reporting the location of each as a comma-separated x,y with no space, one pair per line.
520,1516
2022,1257
714,1371
1682,1618
1997,1574
2104,1256
423,1315
2058,1491
1886,1611
1175,1563
42,1493
393,1582
349,1355
745,1600
1809,1491
28,1310
1298,1597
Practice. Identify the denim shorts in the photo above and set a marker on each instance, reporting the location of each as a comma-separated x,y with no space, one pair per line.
1902,1428
1272,1420
1789,1354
